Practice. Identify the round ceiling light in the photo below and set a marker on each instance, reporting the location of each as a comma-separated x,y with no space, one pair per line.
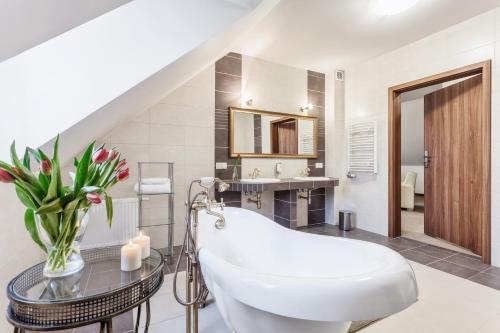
391,7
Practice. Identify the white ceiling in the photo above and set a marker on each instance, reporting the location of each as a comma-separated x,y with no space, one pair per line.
324,35
26,23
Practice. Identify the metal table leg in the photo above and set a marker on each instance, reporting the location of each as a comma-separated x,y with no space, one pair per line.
109,325
138,319
148,316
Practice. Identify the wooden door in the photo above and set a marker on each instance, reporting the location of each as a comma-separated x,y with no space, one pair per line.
284,136
453,174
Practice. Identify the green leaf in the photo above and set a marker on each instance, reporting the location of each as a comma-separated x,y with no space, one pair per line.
26,173
109,209
55,160
108,172
25,197
29,222
35,154
83,168
50,223
44,181
27,159
43,156
55,206
55,186
36,194
75,162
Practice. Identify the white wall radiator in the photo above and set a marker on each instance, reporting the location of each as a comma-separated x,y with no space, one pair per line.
362,147
123,228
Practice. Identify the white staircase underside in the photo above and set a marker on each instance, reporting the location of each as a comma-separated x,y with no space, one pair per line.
85,81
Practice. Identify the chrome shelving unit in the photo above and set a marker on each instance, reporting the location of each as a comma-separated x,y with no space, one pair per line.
169,249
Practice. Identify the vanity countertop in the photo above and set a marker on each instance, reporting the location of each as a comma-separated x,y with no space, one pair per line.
282,185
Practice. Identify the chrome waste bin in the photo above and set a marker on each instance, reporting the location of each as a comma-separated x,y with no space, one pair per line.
346,220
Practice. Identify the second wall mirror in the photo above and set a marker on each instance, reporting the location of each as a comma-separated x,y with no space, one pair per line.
257,133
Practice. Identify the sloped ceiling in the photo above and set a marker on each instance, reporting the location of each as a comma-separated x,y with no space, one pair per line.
88,79
27,23
327,34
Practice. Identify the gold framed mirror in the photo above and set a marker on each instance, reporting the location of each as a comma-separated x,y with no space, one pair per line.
258,133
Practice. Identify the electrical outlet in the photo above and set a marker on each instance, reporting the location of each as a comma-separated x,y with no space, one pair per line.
220,165
319,165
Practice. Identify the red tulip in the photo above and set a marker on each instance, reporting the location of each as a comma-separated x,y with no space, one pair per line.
100,156
46,167
123,174
114,154
94,198
5,177
120,165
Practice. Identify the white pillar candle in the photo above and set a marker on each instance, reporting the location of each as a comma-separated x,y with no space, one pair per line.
145,243
131,257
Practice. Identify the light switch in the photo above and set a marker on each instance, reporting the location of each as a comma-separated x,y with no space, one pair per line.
319,165
220,165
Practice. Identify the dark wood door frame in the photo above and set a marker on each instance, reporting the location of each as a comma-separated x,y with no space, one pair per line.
395,92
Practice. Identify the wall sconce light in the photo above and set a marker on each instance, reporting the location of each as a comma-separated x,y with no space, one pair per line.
307,107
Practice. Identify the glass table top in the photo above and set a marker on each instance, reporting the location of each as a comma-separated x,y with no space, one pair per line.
101,275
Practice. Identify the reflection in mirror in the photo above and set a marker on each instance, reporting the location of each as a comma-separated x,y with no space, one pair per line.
267,134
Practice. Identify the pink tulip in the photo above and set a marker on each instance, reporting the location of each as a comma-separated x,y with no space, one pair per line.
120,165
5,177
46,167
100,156
94,198
123,174
114,154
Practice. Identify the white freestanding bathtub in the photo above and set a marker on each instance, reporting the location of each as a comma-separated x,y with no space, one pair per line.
269,279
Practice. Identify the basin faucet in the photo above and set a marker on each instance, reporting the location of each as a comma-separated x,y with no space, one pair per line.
255,173
305,172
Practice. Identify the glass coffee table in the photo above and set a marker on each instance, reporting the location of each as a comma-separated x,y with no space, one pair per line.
98,293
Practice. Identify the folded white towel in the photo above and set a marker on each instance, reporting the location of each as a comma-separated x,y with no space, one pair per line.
153,188
153,181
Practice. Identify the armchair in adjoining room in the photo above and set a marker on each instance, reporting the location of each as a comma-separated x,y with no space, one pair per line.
408,191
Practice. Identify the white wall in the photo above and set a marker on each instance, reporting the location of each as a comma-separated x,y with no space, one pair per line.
412,132
367,84
179,129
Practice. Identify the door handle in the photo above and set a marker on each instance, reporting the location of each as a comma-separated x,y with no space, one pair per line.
427,159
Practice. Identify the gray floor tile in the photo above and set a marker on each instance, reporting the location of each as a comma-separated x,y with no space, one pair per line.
493,271
489,280
436,251
401,244
453,269
419,257
468,261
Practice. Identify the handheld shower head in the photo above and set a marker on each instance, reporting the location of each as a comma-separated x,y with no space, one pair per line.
208,182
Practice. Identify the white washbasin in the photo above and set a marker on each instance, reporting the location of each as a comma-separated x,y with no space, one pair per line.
259,180
313,179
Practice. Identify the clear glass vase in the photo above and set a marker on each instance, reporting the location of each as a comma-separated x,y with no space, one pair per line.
61,234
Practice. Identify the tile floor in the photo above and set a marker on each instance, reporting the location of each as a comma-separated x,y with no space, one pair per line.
449,261
455,290
412,227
